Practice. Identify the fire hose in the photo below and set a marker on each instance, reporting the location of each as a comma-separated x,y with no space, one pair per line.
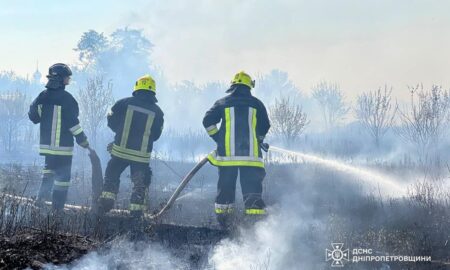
97,185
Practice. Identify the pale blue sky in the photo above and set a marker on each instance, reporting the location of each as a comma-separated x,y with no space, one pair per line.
359,44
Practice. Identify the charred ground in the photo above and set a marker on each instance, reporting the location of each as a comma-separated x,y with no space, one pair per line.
320,206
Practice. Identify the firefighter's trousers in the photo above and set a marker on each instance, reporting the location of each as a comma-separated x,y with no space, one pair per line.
251,183
56,177
140,177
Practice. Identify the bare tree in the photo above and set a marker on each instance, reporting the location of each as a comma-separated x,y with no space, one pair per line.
332,102
13,112
424,121
374,110
275,84
288,120
94,101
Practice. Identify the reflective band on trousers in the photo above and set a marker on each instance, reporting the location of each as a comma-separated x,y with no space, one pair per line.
137,207
251,211
55,150
108,195
47,171
212,130
224,208
61,185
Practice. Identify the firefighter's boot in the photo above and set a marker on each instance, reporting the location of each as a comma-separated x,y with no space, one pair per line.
225,215
105,202
45,189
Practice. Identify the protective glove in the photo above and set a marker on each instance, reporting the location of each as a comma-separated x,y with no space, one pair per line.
264,146
215,137
84,144
109,147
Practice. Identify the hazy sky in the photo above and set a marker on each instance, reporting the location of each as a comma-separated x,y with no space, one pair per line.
359,44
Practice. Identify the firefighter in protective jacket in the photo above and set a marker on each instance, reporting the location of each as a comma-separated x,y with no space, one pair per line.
57,113
137,122
243,125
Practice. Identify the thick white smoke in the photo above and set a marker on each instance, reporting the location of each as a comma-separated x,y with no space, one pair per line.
282,241
273,244
293,236
285,240
126,255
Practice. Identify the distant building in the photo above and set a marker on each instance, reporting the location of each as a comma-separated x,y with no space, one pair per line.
37,75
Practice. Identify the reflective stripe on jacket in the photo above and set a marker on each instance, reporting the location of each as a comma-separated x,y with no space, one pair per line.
137,122
243,125
57,113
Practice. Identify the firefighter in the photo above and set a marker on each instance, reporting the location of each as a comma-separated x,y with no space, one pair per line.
137,122
56,111
243,125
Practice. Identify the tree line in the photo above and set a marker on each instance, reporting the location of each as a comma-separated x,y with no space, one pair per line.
108,65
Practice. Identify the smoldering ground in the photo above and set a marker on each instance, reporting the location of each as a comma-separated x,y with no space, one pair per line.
311,204
313,201
310,207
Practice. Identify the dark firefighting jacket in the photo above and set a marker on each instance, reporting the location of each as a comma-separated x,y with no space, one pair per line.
57,112
244,124
138,122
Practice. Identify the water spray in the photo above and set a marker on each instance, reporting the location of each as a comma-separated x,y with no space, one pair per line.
364,174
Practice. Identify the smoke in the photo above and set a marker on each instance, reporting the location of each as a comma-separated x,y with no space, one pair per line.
127,255
283,241
301,223
287,239
305,201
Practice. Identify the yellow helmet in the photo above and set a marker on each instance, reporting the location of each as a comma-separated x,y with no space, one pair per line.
243,78
145,82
